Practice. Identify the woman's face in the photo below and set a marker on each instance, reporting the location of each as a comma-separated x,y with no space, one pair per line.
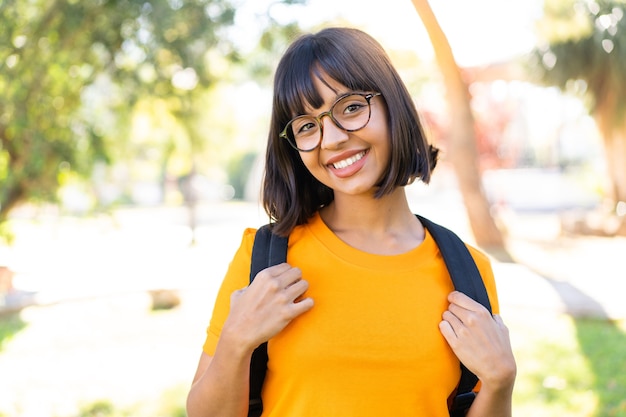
350,163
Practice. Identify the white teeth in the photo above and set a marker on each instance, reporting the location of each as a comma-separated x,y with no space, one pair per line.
347,162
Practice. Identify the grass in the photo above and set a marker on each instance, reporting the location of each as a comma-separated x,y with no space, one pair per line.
170,403
569,367
603,344
10,324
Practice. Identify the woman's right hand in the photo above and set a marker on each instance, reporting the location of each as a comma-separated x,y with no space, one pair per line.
257,313
264,308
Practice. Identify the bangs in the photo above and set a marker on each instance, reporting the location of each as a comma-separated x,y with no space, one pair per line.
295,88
312,58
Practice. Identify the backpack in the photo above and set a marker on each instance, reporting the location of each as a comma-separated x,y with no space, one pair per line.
270,249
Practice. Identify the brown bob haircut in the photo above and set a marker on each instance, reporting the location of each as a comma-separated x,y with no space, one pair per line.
291,195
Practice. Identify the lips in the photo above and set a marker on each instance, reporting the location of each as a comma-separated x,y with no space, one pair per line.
347,164
344,163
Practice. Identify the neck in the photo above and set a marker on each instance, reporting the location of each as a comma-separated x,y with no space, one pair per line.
383,226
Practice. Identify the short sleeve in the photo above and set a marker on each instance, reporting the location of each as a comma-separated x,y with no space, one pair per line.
237,277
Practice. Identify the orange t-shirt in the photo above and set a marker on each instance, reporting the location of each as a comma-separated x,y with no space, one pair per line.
371,345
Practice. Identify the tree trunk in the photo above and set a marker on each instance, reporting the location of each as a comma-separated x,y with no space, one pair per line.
614,139
615,148
462,152
10,200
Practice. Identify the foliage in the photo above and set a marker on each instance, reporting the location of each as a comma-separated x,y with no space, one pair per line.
74,75
271,44
584,52
585,41
101,408
73,69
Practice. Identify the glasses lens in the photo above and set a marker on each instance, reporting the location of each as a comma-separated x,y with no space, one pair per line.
303,132
352,112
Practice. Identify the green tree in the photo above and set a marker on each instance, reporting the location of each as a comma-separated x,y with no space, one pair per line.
583,52
72,72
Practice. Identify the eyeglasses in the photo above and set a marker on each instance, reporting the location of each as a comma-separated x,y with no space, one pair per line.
350,113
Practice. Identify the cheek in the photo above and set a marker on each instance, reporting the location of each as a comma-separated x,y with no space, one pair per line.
383,143
311,162
307,159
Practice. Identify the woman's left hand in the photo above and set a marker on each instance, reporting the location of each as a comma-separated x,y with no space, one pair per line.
480,341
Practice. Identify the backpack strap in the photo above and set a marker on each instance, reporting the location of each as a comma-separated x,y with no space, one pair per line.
466,279
459,262
268,250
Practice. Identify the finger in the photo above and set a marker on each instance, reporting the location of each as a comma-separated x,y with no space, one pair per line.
302,306
452,318
296,289
464,301
280,276
455,326
277,270
289,276
461,312
467,309
272,271
294,308
448,332
471,318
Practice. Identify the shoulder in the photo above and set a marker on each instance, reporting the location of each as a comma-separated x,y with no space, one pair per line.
480,257
239,267
248,235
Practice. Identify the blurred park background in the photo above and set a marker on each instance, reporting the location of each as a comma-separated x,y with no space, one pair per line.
131,143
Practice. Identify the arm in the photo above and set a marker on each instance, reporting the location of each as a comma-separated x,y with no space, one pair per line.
482,343
257,313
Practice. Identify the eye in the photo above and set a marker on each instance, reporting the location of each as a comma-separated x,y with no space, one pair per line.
304,126
351,106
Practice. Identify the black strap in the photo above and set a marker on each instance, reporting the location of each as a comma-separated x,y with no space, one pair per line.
466,279
268,250
461,266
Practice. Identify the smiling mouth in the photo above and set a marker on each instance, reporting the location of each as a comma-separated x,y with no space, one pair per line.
349,161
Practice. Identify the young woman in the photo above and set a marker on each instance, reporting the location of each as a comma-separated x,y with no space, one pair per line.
362,320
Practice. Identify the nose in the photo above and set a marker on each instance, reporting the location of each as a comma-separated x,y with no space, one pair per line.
332,135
